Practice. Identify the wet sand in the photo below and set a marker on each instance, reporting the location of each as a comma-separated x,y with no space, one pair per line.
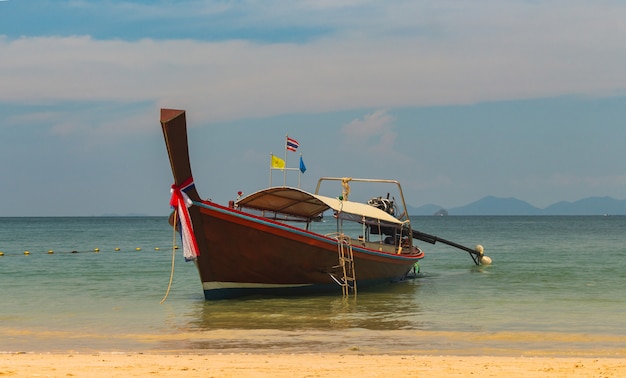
301,365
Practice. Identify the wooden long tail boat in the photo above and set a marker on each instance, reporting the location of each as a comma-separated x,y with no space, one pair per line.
252,245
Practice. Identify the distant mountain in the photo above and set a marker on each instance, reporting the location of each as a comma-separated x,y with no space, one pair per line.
491,205
588,206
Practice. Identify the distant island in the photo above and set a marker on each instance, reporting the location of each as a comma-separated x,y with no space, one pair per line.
491,205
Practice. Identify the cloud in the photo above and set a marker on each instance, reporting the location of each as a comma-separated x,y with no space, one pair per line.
412,55
375,131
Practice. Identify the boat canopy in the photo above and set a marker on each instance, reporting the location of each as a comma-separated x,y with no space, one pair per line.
299,203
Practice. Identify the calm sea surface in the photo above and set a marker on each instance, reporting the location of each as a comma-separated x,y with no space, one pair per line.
557,286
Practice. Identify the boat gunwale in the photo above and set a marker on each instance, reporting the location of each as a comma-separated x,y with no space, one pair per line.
302,232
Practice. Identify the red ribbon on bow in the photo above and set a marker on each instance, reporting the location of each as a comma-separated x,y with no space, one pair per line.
180,201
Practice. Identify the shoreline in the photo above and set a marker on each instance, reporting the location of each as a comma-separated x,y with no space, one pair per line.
199,364
287,342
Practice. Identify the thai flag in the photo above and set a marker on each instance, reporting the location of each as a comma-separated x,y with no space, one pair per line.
292,144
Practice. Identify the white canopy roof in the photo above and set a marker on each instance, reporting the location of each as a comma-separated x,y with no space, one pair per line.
297,202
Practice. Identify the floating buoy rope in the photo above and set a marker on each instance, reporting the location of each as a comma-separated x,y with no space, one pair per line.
55,252
174,248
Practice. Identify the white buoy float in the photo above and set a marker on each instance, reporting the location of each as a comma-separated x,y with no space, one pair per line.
484,260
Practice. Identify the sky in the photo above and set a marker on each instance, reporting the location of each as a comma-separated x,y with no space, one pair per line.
455,99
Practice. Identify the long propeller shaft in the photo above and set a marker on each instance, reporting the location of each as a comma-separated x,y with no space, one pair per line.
477,253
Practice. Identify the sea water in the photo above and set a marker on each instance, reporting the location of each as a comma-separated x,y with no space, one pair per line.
556,287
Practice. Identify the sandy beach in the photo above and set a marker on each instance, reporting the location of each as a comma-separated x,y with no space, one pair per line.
301,365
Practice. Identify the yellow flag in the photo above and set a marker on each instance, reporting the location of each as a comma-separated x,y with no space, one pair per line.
277,162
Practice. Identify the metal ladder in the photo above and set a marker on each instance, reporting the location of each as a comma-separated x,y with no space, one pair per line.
346,263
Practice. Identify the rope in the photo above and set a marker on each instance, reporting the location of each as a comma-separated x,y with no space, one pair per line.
169,286
345,183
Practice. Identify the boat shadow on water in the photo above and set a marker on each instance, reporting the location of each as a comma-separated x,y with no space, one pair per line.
390,306
299,323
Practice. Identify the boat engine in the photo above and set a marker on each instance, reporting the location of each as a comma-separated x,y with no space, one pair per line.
385,204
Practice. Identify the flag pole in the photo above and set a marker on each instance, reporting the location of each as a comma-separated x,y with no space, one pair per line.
299,173
271,168
286,165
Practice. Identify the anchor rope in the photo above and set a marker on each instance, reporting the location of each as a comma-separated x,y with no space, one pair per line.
169,285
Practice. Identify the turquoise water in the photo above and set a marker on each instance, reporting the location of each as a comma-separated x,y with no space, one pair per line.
556,287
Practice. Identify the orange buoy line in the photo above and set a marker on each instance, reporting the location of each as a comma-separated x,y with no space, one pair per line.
95,250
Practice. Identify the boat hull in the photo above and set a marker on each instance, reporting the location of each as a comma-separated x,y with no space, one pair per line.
246,255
